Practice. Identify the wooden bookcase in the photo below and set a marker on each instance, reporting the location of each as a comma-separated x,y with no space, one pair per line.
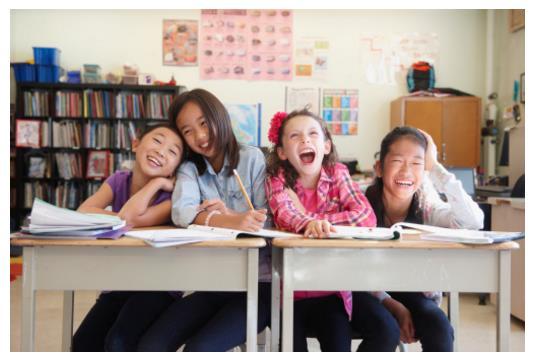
453,122
69,190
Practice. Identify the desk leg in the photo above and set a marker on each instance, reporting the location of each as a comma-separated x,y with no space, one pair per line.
28,299
287,301
453,313
68,309
275,297
252,299
504,302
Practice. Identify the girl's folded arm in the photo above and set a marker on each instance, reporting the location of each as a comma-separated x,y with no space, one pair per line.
98,201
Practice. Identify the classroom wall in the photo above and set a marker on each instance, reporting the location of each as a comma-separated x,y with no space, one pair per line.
509,63
111,38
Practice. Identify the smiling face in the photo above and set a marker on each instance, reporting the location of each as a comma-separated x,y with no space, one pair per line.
304,145
193,125
402,170
158,153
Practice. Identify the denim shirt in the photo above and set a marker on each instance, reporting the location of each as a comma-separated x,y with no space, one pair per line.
191,189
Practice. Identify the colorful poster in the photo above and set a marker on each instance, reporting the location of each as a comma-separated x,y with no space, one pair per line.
180,38
299,98
311,58
246,44
246,122
386,58
340,110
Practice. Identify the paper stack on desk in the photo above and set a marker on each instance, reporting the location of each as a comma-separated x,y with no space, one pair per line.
48,221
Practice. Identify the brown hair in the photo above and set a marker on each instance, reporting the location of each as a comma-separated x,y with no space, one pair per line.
274,163
219,126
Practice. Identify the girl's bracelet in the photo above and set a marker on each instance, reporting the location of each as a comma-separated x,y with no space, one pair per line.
210,215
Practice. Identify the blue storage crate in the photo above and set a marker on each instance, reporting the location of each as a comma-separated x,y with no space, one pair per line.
47,74
46,56
24,72
73,77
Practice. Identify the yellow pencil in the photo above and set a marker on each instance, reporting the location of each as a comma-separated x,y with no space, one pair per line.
243,189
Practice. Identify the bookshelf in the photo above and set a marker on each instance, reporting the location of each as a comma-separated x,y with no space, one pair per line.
75,122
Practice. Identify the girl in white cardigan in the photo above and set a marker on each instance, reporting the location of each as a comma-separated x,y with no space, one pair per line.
408,178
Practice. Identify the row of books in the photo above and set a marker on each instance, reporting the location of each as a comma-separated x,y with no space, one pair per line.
64,194
36,103
69,165
68,104
66,133
129,105
98,104
158,105
119,135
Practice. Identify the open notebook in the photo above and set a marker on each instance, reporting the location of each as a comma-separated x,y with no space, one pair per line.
432,233
196,233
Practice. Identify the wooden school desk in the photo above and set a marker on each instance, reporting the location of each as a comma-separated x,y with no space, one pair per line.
129,264
408,265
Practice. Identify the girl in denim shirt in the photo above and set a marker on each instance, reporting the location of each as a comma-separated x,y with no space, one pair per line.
207,193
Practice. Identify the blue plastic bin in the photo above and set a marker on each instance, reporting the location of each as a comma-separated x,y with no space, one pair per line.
47,74
46,56
24,72
74,77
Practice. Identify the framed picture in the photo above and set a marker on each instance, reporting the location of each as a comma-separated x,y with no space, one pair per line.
36,166
523,88
97,164
516,19
27,134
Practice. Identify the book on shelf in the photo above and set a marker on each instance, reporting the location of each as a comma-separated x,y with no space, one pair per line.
68,104
36,103
197,233
49,221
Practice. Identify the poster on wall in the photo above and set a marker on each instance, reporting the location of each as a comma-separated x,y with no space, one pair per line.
246,122
340,110
179,42
311,58
246,44
386,58
299,98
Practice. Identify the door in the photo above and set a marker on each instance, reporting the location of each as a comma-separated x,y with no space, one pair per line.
425,114
461,132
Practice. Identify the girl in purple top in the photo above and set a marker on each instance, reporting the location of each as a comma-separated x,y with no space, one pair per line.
142,197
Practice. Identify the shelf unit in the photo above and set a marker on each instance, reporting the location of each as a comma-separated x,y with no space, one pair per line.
148,100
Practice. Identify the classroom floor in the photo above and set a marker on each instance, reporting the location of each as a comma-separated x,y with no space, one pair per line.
477,330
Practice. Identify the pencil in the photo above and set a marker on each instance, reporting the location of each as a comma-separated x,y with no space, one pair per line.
243,189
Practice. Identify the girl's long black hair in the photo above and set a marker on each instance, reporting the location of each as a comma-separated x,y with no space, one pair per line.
219,126
374,193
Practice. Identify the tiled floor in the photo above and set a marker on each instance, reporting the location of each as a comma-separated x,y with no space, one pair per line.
477,330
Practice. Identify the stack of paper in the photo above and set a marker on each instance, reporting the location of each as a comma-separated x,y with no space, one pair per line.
48,220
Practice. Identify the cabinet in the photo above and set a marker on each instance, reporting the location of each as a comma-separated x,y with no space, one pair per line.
453,122
508,214
77,125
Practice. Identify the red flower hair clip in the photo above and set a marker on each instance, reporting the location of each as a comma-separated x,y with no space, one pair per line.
275,125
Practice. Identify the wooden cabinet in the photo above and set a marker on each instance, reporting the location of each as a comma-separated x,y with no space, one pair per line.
453,122
508,214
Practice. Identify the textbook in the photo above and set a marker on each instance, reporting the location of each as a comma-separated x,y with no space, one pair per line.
197,233
48,220
430,233
468,236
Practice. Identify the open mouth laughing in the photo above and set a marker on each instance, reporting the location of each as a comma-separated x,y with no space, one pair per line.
404,183
307,156
154,161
